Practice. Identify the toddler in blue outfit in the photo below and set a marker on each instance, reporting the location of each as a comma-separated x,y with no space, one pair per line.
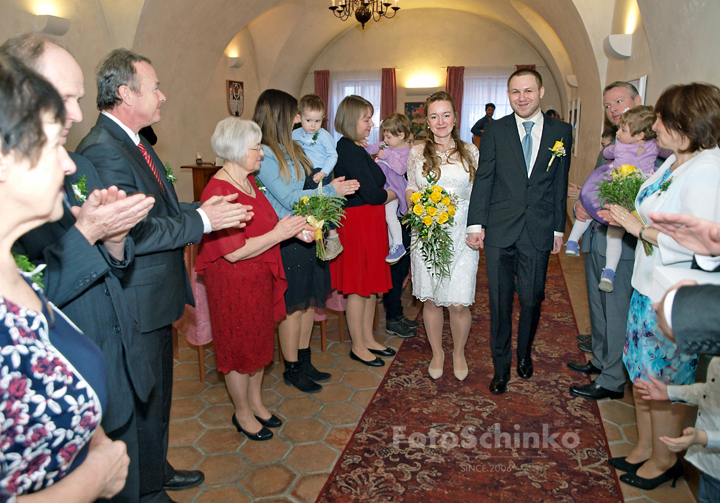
319,147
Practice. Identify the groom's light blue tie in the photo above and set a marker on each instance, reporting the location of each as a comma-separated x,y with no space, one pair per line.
527,143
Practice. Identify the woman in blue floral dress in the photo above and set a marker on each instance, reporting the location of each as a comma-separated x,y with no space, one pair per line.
688,182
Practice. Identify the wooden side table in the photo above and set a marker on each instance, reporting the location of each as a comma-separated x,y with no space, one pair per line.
201,176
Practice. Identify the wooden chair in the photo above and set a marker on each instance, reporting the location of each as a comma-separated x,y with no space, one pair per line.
190,258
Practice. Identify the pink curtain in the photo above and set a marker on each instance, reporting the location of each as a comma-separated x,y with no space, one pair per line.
322,85
454,87
388,100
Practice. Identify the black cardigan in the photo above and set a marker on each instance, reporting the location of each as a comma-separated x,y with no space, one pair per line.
355,164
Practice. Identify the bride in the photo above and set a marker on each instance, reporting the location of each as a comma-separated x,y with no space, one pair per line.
451,164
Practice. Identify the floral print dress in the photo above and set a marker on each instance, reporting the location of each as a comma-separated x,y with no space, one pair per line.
48,410
647,351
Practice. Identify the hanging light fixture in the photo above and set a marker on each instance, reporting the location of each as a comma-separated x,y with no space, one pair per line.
364,10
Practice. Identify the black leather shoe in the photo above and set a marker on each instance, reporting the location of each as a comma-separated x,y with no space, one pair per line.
622,464
525,368
587,347
673,473
584,337
273,422
383,352
263,434
498,384
584,368
184,479
595,392
377,362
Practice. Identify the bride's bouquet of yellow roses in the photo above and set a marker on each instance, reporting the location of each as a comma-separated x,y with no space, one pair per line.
431,213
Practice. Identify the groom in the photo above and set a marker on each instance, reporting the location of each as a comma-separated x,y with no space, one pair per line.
517,213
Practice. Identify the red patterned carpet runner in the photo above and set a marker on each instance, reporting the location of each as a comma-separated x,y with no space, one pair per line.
446,440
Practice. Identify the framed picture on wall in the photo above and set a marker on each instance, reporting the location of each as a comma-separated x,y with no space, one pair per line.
235,97
414,111
641,85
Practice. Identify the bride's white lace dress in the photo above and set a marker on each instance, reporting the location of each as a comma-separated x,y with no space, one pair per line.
459,287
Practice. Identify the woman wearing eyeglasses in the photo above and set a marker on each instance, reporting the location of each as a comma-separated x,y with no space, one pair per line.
244,277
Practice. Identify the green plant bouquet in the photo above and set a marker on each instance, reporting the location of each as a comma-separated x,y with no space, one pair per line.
621,187
320,211
35,272
432,212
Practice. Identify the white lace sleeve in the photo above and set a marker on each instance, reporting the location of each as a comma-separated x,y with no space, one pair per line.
414,166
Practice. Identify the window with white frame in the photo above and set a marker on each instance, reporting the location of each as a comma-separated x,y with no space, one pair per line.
481,86
365,83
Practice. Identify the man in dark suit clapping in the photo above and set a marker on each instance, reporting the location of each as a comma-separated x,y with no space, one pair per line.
156,284
517,213
86,252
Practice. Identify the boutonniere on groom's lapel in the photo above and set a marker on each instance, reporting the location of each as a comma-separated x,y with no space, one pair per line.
557,150
169,173
80,189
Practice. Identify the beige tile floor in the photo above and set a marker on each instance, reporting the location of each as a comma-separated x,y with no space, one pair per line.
294,465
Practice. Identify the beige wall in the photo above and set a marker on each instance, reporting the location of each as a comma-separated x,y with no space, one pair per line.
475,41
283,40
89,39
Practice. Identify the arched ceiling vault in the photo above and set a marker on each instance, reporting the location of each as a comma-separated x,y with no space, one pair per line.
195,35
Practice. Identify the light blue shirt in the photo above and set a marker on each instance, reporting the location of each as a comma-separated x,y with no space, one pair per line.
284,194
320,151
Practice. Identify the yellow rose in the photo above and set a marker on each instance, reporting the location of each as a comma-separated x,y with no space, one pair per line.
627,169
418,209
304,199
558,145
435,197
427,220
436,188
445,201
415,197
451,210
431,210
442,218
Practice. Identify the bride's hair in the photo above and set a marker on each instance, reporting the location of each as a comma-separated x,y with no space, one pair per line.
431,166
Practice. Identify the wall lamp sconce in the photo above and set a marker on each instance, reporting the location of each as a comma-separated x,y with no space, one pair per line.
53,25
235,62
571,80
618,46
420,91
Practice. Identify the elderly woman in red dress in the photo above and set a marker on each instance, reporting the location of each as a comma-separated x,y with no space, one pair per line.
244,276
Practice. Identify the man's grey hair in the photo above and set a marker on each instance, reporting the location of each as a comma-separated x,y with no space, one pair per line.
233,137
29,47
117,69
619,83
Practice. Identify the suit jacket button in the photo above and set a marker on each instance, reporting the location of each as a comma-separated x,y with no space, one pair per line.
116,329
107,292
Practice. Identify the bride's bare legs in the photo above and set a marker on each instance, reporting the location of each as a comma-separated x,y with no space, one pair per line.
460,321
433,318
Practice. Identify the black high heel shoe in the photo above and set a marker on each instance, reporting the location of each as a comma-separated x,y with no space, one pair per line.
675,472
263,434
622,465
272,422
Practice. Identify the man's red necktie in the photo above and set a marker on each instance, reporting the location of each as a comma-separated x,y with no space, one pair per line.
150,162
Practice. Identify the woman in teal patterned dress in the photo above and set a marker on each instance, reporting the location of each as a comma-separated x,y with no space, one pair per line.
688,123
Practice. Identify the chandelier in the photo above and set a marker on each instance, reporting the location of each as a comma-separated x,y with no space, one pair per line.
364,9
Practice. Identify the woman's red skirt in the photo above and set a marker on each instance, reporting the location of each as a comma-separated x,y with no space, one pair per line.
361,268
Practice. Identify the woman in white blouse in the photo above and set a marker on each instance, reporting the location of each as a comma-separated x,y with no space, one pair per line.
688,182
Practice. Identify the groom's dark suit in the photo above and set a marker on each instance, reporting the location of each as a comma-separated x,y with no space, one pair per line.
156,285
519,215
